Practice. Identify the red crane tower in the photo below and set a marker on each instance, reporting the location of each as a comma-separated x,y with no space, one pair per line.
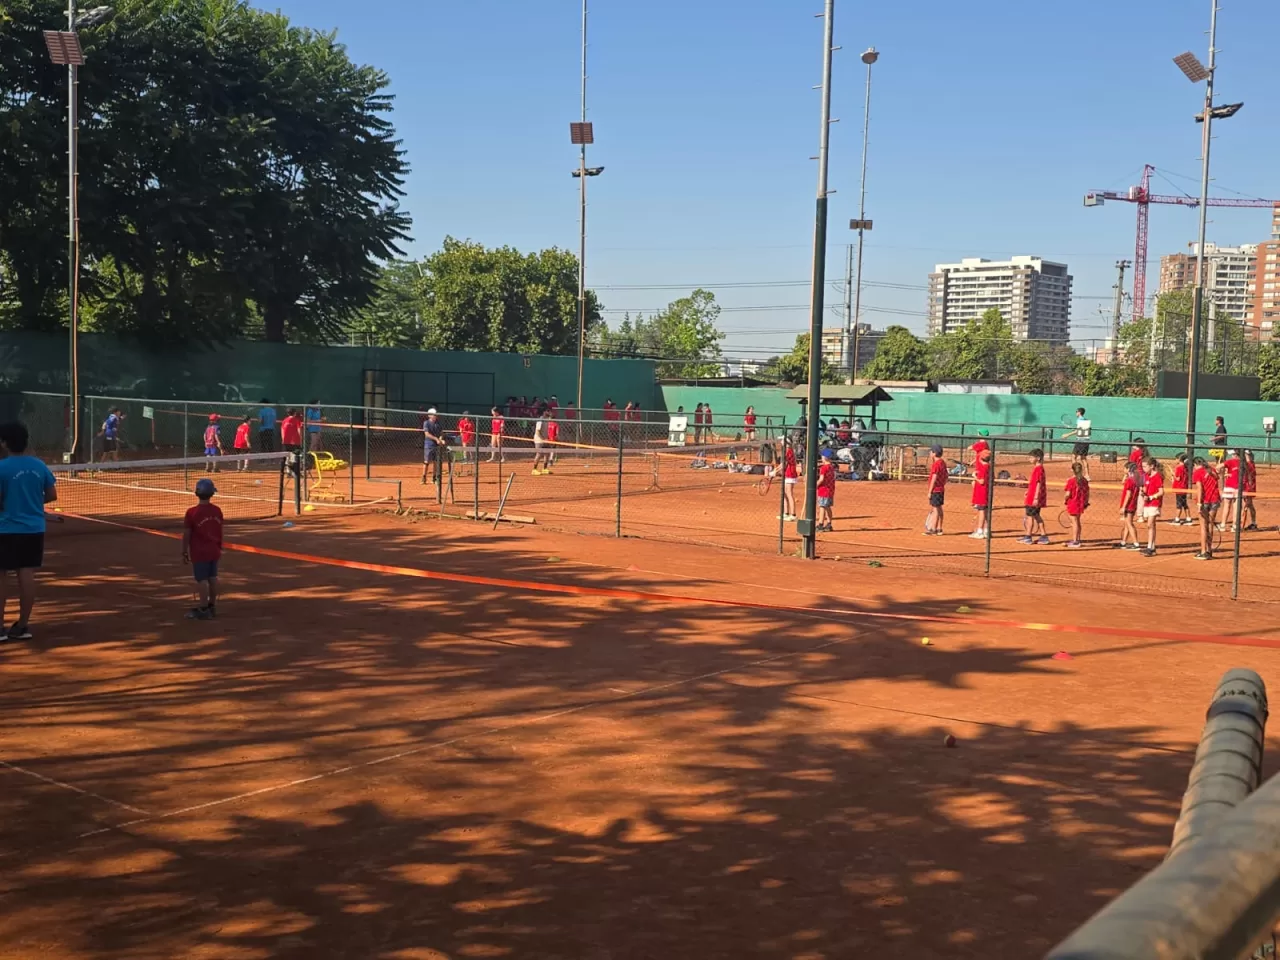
1143,197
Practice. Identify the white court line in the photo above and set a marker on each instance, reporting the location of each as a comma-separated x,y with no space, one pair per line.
338,771
70,786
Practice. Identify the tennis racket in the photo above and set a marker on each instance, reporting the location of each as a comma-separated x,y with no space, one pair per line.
764,483
1064,519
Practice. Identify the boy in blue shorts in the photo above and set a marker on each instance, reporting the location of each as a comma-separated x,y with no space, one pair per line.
26,485
202,548
212,443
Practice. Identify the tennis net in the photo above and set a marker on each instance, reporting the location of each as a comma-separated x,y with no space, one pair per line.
158,492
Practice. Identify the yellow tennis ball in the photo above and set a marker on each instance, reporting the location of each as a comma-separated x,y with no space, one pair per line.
308,508
926,642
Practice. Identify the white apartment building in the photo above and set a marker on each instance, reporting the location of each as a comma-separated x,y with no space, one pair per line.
1033,294
1230,275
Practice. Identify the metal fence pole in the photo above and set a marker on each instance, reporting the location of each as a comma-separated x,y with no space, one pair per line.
1237,527
779,477
617,527
186,452
368,462
351,455
475,473
991,499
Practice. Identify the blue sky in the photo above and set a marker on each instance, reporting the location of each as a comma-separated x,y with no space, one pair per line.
989,123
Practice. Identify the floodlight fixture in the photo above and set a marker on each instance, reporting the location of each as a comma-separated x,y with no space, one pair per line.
870,56
64,48
1191,66
581,134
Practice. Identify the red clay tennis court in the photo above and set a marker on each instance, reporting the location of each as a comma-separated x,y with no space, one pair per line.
411,738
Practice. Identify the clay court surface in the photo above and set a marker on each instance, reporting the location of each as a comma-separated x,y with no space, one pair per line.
410,738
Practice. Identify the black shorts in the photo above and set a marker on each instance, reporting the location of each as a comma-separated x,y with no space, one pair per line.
1131,513
1080,450
1181,500
1209,510
937,499
267,441
1033,513
108,444
21,551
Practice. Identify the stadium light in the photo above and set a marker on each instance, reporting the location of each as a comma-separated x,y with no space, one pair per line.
1191,66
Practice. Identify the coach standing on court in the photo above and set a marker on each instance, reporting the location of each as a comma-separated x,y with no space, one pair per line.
26,485
267,427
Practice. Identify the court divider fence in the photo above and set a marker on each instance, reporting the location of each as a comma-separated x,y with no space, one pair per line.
723,484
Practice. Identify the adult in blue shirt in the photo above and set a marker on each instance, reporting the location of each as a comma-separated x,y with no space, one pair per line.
110,434
313,425
433,446
26,485
267,427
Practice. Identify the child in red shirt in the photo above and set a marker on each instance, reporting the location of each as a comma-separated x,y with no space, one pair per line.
749,424
202,548
553,435
1249,490
790,474
1209,495
241,442
1231,468
466,434
981,489
1034,502
1152,500
1181,491
1129,507
1077,501
937,491
496,426
826,491
1138,452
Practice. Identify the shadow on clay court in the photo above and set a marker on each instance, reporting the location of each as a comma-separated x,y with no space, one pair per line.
579,776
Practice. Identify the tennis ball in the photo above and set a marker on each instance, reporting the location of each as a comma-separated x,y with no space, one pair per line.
926,642
308,508
964,610
948,741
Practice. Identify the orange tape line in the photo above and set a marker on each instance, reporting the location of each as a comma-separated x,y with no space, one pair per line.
579,590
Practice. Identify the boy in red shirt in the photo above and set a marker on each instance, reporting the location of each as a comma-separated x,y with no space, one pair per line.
291,432
496,426
1034,502
202,548
212,444
1209,495
1181,491
466,434
1138,452
1129,507
1077,502
826,491
981,489
241,442
937,491
553,435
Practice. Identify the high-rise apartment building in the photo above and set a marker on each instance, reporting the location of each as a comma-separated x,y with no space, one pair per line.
1033,294
1229,276
835,350
1266,285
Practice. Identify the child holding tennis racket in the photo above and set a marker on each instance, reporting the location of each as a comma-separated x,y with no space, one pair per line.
1181,488
1034,502
1077,502
937,491
981,489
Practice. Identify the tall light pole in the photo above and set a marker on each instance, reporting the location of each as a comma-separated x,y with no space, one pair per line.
862,224
65,50
581,133
816,294
1196,72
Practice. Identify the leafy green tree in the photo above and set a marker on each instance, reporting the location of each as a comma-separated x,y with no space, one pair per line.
1269,371
499,299
239,172
394,318
978,351
900,355
793,367
683,337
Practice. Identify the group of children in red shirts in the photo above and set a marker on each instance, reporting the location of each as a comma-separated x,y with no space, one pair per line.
1142,495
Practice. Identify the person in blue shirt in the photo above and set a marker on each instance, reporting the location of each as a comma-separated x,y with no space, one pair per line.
313,426
26,485
267,427
433,446
110,434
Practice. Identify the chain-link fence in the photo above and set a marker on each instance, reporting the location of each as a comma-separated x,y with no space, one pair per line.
726,484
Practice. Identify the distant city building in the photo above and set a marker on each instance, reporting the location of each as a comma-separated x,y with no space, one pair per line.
1265,310
1229,276
834,340
1033,294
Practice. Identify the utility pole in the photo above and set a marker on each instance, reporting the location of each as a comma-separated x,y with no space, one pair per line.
850,350
1121,265
816,295
582,134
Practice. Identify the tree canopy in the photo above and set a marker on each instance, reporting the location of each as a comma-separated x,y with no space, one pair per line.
470,297
237,173
900,355
793,367
682,337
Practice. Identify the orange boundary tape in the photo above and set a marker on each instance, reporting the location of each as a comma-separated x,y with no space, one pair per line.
579,590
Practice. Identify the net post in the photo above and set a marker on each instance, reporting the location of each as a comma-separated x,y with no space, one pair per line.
991,499
296,466
351,455
617,520
284,464
89,434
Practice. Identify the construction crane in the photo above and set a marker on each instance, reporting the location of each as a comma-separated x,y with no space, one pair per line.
1143,197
